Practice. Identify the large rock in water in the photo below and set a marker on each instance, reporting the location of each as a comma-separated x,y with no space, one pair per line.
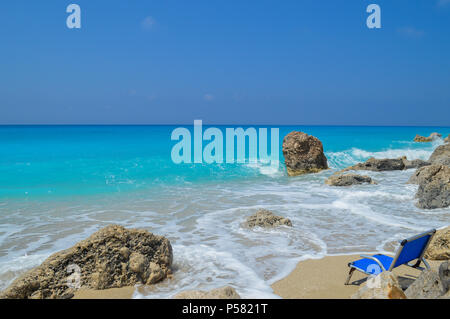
439,248
303,154
226,292
430,284
434,186
383,286
113,257
266,219
348,179
441,155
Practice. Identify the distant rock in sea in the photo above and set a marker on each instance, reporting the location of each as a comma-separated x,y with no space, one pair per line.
226,292
112,257
432,137
387,164
348,179
303,154
266,219
439,248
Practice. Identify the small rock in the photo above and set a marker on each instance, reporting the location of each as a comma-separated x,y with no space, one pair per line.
382,286
439,247
226,292
266,219
348,179
303,154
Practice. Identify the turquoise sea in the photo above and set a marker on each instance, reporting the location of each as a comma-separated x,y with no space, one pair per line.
59,184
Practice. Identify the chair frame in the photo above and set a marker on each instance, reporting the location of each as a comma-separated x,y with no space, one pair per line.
416,265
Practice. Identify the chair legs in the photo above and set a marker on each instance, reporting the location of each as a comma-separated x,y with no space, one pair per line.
350,273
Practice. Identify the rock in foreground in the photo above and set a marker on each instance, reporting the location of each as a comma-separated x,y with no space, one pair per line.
441,155
226,292
303,154
112,257
348,179
439,248
430,284
447,139
434,186
266,219
383,286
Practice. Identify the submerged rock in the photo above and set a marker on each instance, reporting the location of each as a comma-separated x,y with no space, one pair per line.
348,179
226,292
382,286
430,284
432,137
112,257
303,154
439,248
441,155
266,219
434,186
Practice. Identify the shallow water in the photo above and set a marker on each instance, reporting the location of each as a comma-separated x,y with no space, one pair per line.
58,187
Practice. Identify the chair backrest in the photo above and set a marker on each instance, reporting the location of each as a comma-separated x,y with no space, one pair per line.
412,248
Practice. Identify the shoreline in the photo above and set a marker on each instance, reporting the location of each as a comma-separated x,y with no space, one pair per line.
313,278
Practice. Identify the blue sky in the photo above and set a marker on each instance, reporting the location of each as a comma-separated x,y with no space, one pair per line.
225,62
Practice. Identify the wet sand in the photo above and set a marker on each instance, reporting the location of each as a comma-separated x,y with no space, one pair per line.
113,293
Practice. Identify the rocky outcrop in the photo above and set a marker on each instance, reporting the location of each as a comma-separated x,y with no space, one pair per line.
113,257
439,247
447,139
417,163
226,292
431,284
348,179
382,286
266,219
434,186
441,155
303,154
378,165
432,137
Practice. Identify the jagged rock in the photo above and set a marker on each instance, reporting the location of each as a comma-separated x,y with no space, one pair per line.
383,286
303,154
434,186
266,219
112,257
447,139
430,284
441,155
226,292
432,137
439,247
378,165
348,179
417,163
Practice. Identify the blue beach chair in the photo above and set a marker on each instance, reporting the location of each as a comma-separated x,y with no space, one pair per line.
410,249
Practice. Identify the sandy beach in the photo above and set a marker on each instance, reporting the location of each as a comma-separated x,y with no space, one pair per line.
311,279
